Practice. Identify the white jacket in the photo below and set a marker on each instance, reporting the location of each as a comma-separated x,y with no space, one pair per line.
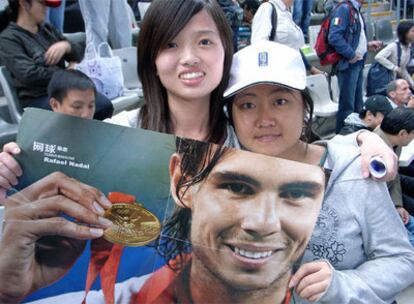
287,32
388,57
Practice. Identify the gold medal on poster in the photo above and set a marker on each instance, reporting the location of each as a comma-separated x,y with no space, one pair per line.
133,225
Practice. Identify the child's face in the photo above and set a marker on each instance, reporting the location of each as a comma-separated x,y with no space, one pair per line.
268,119
79,103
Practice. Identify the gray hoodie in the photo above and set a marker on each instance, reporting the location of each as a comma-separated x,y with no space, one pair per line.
360,234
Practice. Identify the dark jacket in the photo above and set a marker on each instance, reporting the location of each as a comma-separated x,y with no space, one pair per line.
344,34
352,124
22,52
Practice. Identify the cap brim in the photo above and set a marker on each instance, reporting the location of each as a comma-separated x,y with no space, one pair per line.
233,90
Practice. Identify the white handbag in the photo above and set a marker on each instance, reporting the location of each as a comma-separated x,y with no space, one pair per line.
105,72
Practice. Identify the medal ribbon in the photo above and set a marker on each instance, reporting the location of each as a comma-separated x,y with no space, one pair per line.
105,257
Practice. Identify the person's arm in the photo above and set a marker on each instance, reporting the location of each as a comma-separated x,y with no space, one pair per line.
338,30
403,70
371,145
383,57
74,53
390,257
34,233
394,188
406,76
29,71
262,24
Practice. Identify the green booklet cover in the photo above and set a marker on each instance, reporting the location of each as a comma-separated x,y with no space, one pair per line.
109,157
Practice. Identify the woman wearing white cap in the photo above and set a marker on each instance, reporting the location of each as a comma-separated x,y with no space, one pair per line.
352,256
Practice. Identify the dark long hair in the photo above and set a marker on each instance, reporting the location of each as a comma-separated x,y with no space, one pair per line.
197,161
162,22
402,30
10,13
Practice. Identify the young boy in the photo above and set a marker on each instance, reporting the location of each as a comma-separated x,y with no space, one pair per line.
72,92
370,117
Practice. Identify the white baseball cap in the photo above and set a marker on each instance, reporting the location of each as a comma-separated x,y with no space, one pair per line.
266,62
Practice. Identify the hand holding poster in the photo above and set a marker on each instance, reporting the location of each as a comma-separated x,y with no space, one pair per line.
234,222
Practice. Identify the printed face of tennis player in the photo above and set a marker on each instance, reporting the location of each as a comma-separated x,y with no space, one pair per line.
252,218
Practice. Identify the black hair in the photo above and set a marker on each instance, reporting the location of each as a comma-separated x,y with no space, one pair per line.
251,5
65,80
402,30
10,13
398,119
163,21
363,113
197,161
307,135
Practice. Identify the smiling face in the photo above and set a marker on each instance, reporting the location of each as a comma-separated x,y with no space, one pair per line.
191,65
268,119
252,218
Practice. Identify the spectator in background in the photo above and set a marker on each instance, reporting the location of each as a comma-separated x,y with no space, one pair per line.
397,131
249,9
399,94
72,92
56,15
107,20
388,56
302,14
370,117
33,50
347,35
234,15
285,30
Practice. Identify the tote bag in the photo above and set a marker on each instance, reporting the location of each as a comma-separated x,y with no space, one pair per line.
105,72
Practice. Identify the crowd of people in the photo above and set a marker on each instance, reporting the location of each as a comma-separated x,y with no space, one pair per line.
254,100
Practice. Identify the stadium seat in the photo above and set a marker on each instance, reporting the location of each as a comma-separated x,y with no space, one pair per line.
370,31
78,38
335,88
319,90
364,79
8,132
383,31
13,102
129,66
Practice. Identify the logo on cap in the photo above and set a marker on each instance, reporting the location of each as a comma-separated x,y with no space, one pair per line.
263,59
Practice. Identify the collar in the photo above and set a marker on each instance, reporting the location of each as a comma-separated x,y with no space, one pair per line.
280,4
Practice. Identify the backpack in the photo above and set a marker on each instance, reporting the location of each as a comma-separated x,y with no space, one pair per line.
326,53
379,76
274,23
